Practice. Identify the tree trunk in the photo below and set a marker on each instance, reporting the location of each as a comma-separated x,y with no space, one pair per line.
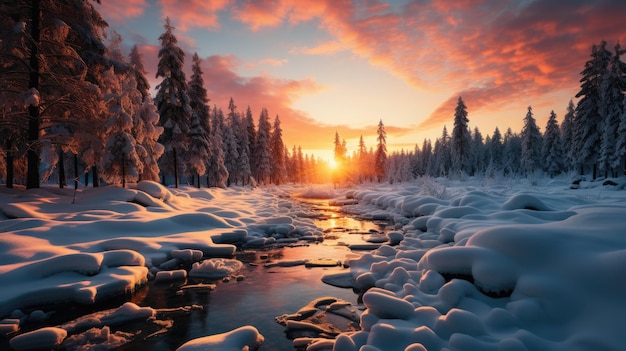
10,169
198,180
123,172
33,156
75,171
9,162
175,168
96,177
62,180
86,178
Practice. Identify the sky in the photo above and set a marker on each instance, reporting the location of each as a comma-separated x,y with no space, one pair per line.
337,66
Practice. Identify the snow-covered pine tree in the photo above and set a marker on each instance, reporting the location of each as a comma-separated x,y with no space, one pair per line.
217,174
551,151
620,144
51,55
612,91
120,157
172,102
567,132
277,153
588,123
512,151
477,159
495,151
531,139
136,64
381,152
460,139
199,147
231,146
243,148
148,147
263,156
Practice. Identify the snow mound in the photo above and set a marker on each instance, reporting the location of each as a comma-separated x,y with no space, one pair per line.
243,338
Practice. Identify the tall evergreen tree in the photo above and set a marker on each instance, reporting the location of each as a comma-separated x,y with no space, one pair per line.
231,146
477,159
460,139
217,174
243,140
172,102
512,146
531,139
52,56
567,135
199,129
136,63
552,152
588,122
495,151
381,152
612,91
263,156
277,153
620,144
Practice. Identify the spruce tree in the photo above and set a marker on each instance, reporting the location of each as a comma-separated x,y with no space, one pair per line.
381,152
567,134
263,156
552,152
217,174
460,139
172,102
612,91
199,129
588,122
277,153
531,139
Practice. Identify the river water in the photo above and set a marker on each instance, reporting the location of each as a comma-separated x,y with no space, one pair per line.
263,294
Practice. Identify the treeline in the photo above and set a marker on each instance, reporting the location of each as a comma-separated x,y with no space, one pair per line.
71,104
590,140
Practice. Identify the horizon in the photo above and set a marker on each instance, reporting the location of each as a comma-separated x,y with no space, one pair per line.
327,67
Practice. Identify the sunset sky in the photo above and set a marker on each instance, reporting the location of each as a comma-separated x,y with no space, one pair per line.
333,65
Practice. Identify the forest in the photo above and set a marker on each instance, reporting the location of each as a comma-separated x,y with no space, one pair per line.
74,110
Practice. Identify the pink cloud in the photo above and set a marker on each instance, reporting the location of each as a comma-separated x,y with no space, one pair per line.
193,13
119,10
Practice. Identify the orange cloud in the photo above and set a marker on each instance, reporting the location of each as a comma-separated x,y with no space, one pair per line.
119,10
193,13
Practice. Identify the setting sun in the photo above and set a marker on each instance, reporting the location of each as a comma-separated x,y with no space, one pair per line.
333,165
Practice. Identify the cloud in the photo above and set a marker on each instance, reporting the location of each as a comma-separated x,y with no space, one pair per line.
120,10
487,50
186,14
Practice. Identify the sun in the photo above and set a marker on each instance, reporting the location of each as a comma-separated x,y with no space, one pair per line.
332,164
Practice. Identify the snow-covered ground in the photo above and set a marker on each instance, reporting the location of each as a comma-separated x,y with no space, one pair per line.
470,265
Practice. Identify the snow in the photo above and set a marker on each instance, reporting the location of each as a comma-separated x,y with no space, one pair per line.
518,265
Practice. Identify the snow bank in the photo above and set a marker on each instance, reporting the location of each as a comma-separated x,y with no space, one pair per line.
520,269
247,338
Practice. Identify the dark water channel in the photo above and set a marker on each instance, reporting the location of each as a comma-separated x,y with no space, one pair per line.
263,294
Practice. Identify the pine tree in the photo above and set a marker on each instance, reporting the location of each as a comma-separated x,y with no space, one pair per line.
172,102
477,159
551,152
148,147
262,149
588,123
512,147
620,144
120,157
199,129
531,139
460,139
277,153
243,140
612,91
217,174
231,153
495,152
136,63
381,152
567,134
52,56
